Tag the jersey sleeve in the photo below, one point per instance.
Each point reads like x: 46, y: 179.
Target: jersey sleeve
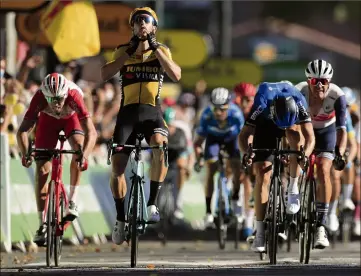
x: 202, y: 128
x: 76, y: 102
x: 166, y: 51
x: 340, y: 109
x: 349, y: 127
x: 37, y: 104
x: 258, y: 107
x: 119, y: 51
x: 303, y: 115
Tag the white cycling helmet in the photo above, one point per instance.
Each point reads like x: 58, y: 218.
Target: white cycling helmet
x: 349, y: 95
x: 320, y: 69
x: 55, y: 85
x: 220, y: 96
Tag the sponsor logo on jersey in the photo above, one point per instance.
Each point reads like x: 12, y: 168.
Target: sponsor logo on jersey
x: 257, y: 112
x: 143, y: 72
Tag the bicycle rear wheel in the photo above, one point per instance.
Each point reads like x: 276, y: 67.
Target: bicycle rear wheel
x: 221, y: 227
x: 50, y: 224
x: 166, y: 210
x: 134, y: 224
x: 310, y: 218
x: 58, y: 240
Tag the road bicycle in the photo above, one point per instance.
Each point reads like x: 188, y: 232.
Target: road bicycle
x: 56, y: 202
x: 275, y: 221
x: 137, y: 216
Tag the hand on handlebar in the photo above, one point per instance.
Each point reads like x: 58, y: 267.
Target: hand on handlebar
x: 27, y: 160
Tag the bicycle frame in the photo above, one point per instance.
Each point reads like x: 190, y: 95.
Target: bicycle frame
x: 56, y: 180
x: 222, y: 190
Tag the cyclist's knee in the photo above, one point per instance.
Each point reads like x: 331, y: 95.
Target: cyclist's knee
x: 43, y: 167
x: 119, y: 163
x: 157, y: 139
x: 324, y: 170
x: 263, y: 172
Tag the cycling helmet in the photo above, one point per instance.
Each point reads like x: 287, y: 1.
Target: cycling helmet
x: 220, y: 96
x: 169, y: 115
x: 284, y: 111
x: 320, y: 69
x: 55, y: 85
x: 169, y: 101
x: 143, y: 10
x: 245, y: 89
x: 187, y: 99
x: 349, y: 95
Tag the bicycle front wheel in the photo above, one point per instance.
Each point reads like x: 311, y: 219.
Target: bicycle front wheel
x: 50, y: 224
x: 134, y: 224
x: 272, y: 231
x: 58, y: 239
x: 221, y: 227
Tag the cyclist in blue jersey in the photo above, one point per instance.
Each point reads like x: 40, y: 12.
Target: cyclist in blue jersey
x: 279, y: 109
x: 220, y: 124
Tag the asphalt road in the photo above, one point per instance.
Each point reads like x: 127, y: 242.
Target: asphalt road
x: 183, y: 258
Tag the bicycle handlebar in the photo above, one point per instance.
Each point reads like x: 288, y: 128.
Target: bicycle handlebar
x: 112, y: 146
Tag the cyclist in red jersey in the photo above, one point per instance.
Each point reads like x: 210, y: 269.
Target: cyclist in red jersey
x: 245, y: 93
x: 57, y: 106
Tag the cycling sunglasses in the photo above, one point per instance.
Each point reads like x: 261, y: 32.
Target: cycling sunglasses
x: 220, y: 108
x: 139, y: 18
x: 315, y: 81
x: 54, y: 99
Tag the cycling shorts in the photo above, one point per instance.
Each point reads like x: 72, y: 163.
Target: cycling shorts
x: 213, y: 145
x: 48, y: 129
x: 265, y: 137
x: 138, y: 118
x: 325, y: 140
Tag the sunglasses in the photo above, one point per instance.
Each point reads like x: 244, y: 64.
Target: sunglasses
x: 315, y: 81
x: 54, y: 99
x: 220, y: 108
x: 139, y: 18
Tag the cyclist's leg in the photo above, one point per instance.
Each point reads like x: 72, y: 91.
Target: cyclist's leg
x: 295, y: 140
x: 332, y: 220
x: 156, y: 133
x: 265, y: 138
x: 211, y: 151
x: 325, y: 140
x: 248, y: 209
x: 73, y: 131
x: 348, y: 177
x: 182, y: 165
x: 357, y: 197
x: 46, y: 137
x: 123, y: 134
x: 235, y: 162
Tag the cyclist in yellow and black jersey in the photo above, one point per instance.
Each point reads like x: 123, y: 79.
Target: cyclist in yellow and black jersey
x: 141, y: 63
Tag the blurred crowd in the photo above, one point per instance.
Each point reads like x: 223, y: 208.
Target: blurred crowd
x: 101, y: 99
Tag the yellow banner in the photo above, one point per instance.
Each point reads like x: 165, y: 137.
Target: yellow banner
x: 189, y: 48
x: 72, y: 29
x: 223, y: 72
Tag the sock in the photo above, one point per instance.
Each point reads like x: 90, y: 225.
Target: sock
x: 322, y: 210
x: 235, y: 195
x: 357, y: 211
x: 154, y: 190
x: 293, y: 187
x: 248, y: 222
x: 40, y: 215
x: 347, y: 191
x: 333, y: 207
x: 119, y: 206
x: 260, y: 227
x: 208, y: 205
x: 73, y: 193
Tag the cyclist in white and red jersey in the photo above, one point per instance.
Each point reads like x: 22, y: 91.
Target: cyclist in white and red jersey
x: 327, y: 107
x: 245, y: 93
x: 57, y: 106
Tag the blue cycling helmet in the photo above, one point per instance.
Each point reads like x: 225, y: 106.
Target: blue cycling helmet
x: 349, y: 95
x: 284, y: 111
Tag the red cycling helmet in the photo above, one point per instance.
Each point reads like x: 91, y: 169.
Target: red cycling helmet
x: 169, y: 101
x: 245, y: 89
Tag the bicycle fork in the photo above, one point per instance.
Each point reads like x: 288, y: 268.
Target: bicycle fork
x: 223, y: 192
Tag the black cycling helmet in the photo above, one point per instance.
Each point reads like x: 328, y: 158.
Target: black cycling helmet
x: 284, y: 111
